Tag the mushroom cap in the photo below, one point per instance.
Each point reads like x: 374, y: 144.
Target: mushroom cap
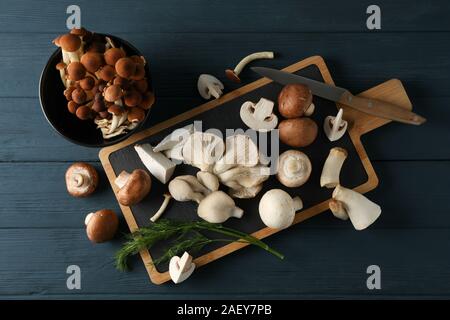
x: 232, y: 76
x: 92, y: 61
x: 114, y: 54
x: 276, y: 209
x: 136, y: 114
x: 102, y: 225
x: 122, y: 82
x: 135, y: 189
x: 298, y: 132
x: 115, y: 110
x: 113, y: 93
x: 83, y: 113
x: 79, y: 96
x: 107, y: 73
x: 72, y: 107
x: 96, y: 46
x: 68, y: 93
x: 125, y: 67
x: 138, y: 59
x: 148, y: 99
x: 139, y: 73
x: 76, y: 71
x: 81, y: 179
x: 141, y: 85
x: 294, y: 100
x: 87, y: 83
x: 69, y: 42
x: 60, y: 66
x: 294, y: 168
x: 81, y: 32
x: 98, y: 106
x: 132, y: 98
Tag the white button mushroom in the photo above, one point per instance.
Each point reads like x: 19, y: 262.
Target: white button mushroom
x: 335, y: 127
x: 217, y: 207
x: 332, y: 167
x: 294, y: 168
x: 208, y: 86
x: 260, y: 116
x: 362, y: 211
x: 181, y: 268
x: 277, y: 208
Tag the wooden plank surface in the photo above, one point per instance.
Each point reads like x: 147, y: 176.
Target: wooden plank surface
x: 40, y: 226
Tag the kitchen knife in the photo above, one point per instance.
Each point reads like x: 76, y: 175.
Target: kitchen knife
x: 370, y: 106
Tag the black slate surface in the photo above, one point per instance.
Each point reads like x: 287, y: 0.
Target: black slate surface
x: 226, y: 116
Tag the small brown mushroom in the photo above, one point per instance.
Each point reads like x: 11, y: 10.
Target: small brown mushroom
x: 139, y: 74
x: 136, y: 114
x: 69, y: 44
x: 83, y: 113
x: 72, y: 107
x: 106, y: 73
x: 112, y: 55
x: 79, y: 96
x: 113, y: 93
x: 92, y: 61
x: 298, y: 132
x: 133, y: 187
x: 125, y: 67
x: 68, y: 93
x: 132, y: 98
x: 76, y: 71
x: 122, y: 82
x: 87, y: 83
x: 294, y: 100
x: 96, y: 46
x: 81, y: 179
x: 148, y: 99
x: 98, y: 106
x: 101, y: 226
x: 141, y: 85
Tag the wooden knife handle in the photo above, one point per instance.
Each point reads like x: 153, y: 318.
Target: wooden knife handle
x: 381, y: 109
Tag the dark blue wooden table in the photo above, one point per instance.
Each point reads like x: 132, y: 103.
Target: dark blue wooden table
x: 41, y: 226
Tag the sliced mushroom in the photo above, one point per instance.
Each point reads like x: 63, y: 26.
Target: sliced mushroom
x: 241, y: 150
x: 335, y: 127
x: 181, y: 268
x: 202, y: 150
x: 294, y: 168
x: 332, y: 167
x: 259, y: 116
x: 208, y: 86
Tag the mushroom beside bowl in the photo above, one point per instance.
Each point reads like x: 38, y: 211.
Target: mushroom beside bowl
x: 54, y: 104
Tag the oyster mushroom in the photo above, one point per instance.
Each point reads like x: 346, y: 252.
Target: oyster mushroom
x: 259, y: 116
x: 208, y: 86
x: 133, y: 187
x: 217, y: 207
x: 332, y: 167
x: 294, y: 168
x: 233, y: 75
x: 240, y: 150
x: 202, y: 149
x: 187, y: 188
x: 208, y: 179
x: 81, y: 179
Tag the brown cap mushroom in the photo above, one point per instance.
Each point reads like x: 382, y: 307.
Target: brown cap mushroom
x: 132, y: 98
x: 125, y: 67
x: 148, y: 99
x: 76, y: 71
x: 79, y: 96
x: 84, y: 113
x: 141, y: 85
x: 69, y: 42
x: 87, y: 83
x: 136, y: 114
x: 102, y: 225
x: 60, y: 66
x: 81, y: 32
x: 92, y: 61
x: 106, y: 73
x: 294, y: 100
x: 68, y: 93
x: 133, y: 187
x: 139, y: 74
x: 98, y: 105
x: 114, y: 54
x: 115, y: 110
x: 122, y: 82
x: 81, y: 179
x: 298, y: 132
x: 113, y: 93
x: 96, y: 46
x: 72, y: 107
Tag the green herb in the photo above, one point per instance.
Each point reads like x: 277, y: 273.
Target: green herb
x: 188, y: 237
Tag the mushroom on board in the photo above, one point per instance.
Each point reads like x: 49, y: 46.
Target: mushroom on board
x: 202, y: 150
x: 181, y: 268
x: 81, y: 179
x: 133, y: 187
x: 298, y: 132
x: 102, y: 225
x: 208, y: 86
x: 233, y: 74
x: 335, y: 127
x: 362, y: 211
x: 277, y: 208
x: 294, y: 168
x: 240, y: 150
x: 332, y: 167
x: 294, y: 101
x: 338, y: 209
x: 208, y: 179
x: 187, y: 188
x: 259, y: 116
x: 218, y: 207
x: 157, y: 163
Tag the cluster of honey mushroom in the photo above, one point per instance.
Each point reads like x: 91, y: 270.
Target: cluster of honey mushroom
x: 103, y: 83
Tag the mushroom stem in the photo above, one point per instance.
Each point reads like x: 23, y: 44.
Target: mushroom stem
x: 254, y: 56
x: 79, y: 179
x: 332, y: 167
x: 215, y: 91
x: 298, y: 204
x: 237, y: 212
x: 122, y: 179
x: 161, y: 209
x: 88, y: 218
x: 362, y: 211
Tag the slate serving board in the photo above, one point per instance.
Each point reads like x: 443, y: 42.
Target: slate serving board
x: 223, y: 114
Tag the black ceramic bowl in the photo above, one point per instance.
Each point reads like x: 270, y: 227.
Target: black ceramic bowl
x: 54, y: 104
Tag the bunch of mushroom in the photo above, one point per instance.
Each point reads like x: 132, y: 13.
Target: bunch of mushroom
x: 102, y: 83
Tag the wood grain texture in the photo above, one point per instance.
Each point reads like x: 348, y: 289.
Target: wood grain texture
x: 234, y: 16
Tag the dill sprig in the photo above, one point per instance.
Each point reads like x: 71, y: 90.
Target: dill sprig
x: 188, y: 237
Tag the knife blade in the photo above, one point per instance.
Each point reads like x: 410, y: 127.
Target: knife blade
x: 370, y: 106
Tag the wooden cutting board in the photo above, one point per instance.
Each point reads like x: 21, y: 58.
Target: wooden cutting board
x: 357, y: 172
